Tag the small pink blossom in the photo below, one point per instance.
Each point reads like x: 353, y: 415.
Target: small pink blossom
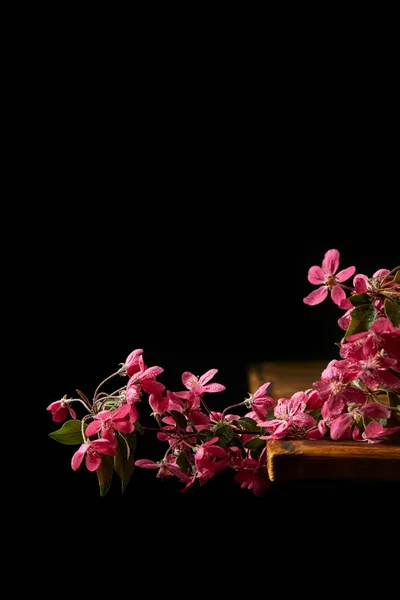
x: 341, y: 427
x: 60, y: 409
x: 253, y: 475
x: 132, y: 362
x: 371, y: 366
x: 166, y: 467
x: 197, y: 385
x: 93, y: 450
x: 375, y: 430
x: 158, y: 403
x: 291, y: 417
x: 111, y: 421
x: 330, y: 282
x: 335, y: 389
x: 260, y: 402
x: 146, y: 377
x: 205, y: 454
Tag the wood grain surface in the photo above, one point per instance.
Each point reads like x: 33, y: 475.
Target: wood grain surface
x: 286, y: 377
x: 355, y: 461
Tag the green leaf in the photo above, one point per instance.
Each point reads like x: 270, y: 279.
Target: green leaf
x: 70, y: 433
x: 124, y: 466
x: 397, y: 277
x: 392, y: 311
x: 255, y: 444
x: 139, y: 428
x: 362, y: 318
x: 179, y: 418
x: 205, y: 435
x: 248, y: 424
x: 182, y: 462
x: 225, y: 434
x: 358, y: 299
x: 105, y: 473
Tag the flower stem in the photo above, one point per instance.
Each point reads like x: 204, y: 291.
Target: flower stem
x: 103, y: 382
x: 232, y: 406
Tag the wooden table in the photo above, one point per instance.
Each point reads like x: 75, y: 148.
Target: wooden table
x: 293, y: 460
x: 289, y: 460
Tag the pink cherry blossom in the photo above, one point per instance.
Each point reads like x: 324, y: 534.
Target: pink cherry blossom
x: 371, y: 366
x: 166, y: 467
x: 111, y: 421
x: 197, y: 385
x: 291, y: 418
x: 93, y: 450
x: 325, y: 275
x: 253, y: 475
x: 60, y: 409
x: 376, y: 430
x: 132, y: 362
x: 260, y: 402
x: 341, y: 427
x: 335, y: 388
x: 205, y: 454
x: 158, y: 403
x: 146, y: 377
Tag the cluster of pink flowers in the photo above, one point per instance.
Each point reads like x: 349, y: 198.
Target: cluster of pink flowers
x: 357, y: 397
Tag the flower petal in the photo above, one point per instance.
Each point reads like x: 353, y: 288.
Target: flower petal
x: 93, y: 461
x: 145, y: 463
x: 330, y: 264
x: 316, y: 275
x: 124, y: 426
x: 189, y: 380
x: 360, y: 283
x: 151, y: 386
x: 93, y: 428
x: 121, y: 412
x: 341, y: 427
x: 211, y: 388
x: 104, y: 446
x: 376, y: 411
x: 345, y: 274
x: 261, y: 390
x: 78, y: 457
x: 207, y: 376
x: 317, y: 296
x: 338, y: 295
x: 381, y: 273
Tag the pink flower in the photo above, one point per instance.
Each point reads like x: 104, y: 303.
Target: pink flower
x: 291, y: 417
x: 166, y: 467
x: 330, y: 282
x: 197, y: 385
x: 204, y: 454
x: 318, y: 432
x: 335, y: 389
x: 253, y: 475
x: 146, y: 377
x: 375, y: 430
x: 341, y: 427
x: 110, y: 421
x: 92, y: 449
x: 60, y: 409
x: 158, y: 403
x: 132, y: 362
x: 372, y: 367
x: 260, y: 402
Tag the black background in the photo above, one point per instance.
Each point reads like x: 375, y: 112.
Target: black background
x: 188, y: 231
